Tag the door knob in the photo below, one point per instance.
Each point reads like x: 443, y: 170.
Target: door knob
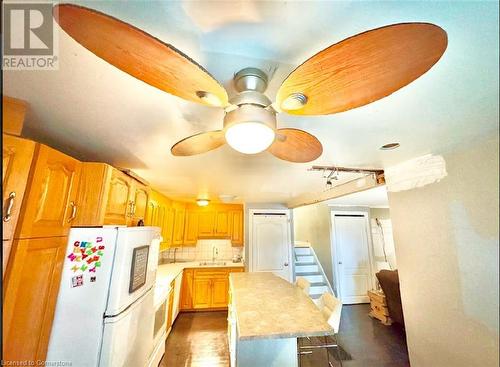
x: 286, y: 264
x: 340, y: 262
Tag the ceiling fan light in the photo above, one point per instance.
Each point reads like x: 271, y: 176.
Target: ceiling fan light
x: 249, y: 137
x: 209, y: 98
x: 202, y: 202
x: 294, y: 101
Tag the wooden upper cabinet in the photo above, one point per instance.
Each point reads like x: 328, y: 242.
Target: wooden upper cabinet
x: 109, y: 196
x: 13, y: 112
x: 236, y: 229
x: 50, y: 205
x: 168, y: 227
x: 140, y: 197
x: 178, y: 232
x: 119, y: 203
x: 30, y: 294
x: 206, y: 223
x: 17, y: 156
x: 191, y: 227
x: 222, y: 223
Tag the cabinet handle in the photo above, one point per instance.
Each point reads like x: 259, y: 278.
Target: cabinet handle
x: 131, y: 208
x: 73, y: 211
x: 10, y: 205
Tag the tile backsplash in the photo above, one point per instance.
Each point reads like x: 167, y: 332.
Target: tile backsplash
x: 204, y: 251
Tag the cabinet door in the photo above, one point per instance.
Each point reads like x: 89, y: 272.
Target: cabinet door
x: 118, y: 203
x: 30, y: 294
x: 170, y: 311
x: 220, y: 289
x: 140, y: 199
x: 202, y: 292
x: 187, y: 290
x: 168, y: 226
x: 17, y: 155
x: 222, y: 223
x: 206, y: 223
x: 237, y: 228
x: 178, y: 235
x: 191, y: 228
x: 50, y: 202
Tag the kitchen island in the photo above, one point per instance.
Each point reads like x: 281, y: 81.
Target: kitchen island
x: 266, y: 316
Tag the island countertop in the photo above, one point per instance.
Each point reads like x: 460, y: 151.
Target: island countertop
x: 268, y: 307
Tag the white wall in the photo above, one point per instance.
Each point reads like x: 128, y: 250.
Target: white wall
x: 447, y: 249
x: 382, y: 237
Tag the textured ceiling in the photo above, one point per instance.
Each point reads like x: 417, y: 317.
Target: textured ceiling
x: 92, y: 110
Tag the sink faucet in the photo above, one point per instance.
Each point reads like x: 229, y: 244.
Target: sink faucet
x: 175, y: 250
x: 215, y: 252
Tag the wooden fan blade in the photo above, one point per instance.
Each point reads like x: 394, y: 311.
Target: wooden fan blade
x: 199, y: 143
x: 140, y: 54
x: 364, y: 68
x: 298, y: 146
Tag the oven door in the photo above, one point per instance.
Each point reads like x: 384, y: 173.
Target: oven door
x: 161, y: 307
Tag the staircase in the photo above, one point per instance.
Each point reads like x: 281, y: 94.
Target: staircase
x: 308, y: 266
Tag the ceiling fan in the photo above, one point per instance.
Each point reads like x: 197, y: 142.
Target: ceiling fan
x: 354, y: 72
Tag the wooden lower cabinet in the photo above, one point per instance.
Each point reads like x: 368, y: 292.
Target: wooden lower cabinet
x: 30, y: 295
x: 220, y: 292
x: 206, y: 289
x: 202, y: 293
x: 170, y: 312
x: 187, y: 290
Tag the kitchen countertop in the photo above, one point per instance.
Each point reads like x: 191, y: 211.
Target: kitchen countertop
x: 168, y: 272
x: 269, y: 307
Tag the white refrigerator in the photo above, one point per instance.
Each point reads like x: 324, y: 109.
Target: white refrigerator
x: 105, y: 314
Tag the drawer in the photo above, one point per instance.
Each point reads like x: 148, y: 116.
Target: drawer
x: 210, y: 273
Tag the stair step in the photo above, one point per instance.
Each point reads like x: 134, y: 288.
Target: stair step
x: 318, y: 290
x: 301, y: 269
x: 305, y: 259
x: 315, y: 296
x: 299, y: 263
x: 318, y: 284
x: 302, y: 250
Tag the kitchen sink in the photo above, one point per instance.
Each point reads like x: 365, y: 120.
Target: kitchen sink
x: 212, y: 263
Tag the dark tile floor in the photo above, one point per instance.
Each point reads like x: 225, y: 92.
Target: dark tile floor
x: 200, y: 340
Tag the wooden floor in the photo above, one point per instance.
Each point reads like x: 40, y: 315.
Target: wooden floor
x: 200, y: 340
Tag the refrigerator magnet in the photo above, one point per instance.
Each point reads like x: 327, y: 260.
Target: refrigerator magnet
x: 77, y: 281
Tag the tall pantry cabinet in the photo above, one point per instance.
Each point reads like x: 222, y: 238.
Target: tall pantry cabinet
x: 40, y: 187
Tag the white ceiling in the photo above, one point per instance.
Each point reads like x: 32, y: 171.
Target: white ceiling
x: 96, y: 112
x: 373, y: 198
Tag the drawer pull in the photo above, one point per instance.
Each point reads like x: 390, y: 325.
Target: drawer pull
x: 10, y: 205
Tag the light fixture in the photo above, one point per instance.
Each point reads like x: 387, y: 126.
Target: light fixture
x: 389, y: 146
x: 249, y: 137
x: 294, y: 101
x: 209, y: 98
x: 250, y: 129
x: 202, y: 202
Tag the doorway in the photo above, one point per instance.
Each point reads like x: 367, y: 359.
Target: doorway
x: 270, y: 243
x: 352, y: 256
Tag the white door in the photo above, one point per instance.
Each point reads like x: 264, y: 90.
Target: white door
x: 270, y: 244
x: 352, y: 257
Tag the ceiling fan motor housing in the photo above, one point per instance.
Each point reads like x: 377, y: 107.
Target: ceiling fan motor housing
x: 250, y: 113
x: 250, y: 79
